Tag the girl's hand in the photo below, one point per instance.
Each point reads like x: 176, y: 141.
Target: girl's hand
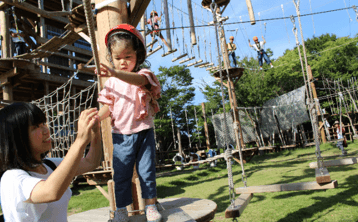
x: 106, y: 71
x: 86, y: 123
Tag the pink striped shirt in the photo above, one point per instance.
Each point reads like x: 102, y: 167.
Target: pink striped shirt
x: 132, y: 107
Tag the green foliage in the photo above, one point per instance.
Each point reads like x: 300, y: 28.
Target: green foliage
x: 177, y: 93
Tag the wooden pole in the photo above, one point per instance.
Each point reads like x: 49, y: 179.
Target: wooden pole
x: 167, y: 24
x: 112, y: 202
x: 314, y: 92
x: 191, y: 21
x: 7, y: 92
x: 206, y: 128
x: 143, y: 21
x: 107, y: 17
x: 180, y: 149
x: 251, y: 12
x: 43, y: 33
x: 5, y: 34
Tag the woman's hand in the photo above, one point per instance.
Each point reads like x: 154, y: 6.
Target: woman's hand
x: 106, y: 71
x: 86, y: 123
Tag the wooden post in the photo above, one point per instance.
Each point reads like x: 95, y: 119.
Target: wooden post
x: 180, y: 149
x: 112, y: 202
x: 206, y: 128
x: 7, y: 92
x: 314, y: 92
x: 191, y: 21
x: 167, y: 24
x: 4, y: 25
x: 251, y: 12
x: 143, y: 21
x: 43, y: 33
x: 107, y: 17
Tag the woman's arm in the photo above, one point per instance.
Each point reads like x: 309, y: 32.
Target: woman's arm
x: 57, y: 183
x: 94, y: 155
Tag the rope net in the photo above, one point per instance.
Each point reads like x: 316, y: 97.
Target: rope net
x: 62, y: 108
x: 289, y: 108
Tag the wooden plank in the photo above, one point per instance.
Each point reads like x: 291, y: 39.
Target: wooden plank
x: 137, y: 9
x: 322, y: 175
x: 58, y: 79
x: 287, y: 187
x: 340, y: 162
x: 33, y: 9
x: 240, y: 204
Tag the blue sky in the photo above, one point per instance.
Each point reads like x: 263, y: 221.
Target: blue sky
x: 278, y: 33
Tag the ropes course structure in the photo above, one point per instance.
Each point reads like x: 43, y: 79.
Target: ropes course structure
x: 63, y: 105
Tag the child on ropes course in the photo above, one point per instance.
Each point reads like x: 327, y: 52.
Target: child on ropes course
x: 259, y: 47
x: 153, y: 22
x: 129, y: 97
x: 340, y: 137
x: 231, y: 47
x: 35, y: 188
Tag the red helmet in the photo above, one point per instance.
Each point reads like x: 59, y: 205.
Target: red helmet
x: 231, y: 37
x: 255, y: 38
x: 128, y: 28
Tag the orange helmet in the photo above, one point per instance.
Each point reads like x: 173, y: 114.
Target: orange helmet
x: 255, y: 38
x: 231, y: 37
x: 154, y: 12
x: 125, y: 27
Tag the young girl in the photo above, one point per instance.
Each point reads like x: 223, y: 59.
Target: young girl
x: 129, y: 97
x: 30, y: 189
x: 153, y: 22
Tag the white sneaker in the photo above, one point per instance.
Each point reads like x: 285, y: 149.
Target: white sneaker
x: 152, y: 214
x: 260, y: 68
x: 271, y: 66
x: 121, y: 215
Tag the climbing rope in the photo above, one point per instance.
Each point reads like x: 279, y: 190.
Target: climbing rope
x: 311, y: 102
x: 90, y: 25
x: 228, y: 152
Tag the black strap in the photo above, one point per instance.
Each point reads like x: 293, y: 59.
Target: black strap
x: 50, y: 164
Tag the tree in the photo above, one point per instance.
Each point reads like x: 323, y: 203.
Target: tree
x: 177, y: 93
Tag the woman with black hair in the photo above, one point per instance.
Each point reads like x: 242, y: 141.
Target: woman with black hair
x: 30, y: 189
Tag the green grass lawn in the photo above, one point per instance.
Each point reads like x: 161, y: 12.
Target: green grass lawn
x: 289, y: 166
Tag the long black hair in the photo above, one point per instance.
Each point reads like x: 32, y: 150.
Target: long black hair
x: 130, y: 40
x: 15, y: 150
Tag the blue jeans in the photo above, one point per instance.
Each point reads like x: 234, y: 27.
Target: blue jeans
x: 340, y: 146
x: 263, y: 55
x: 232, y: 58
x: 20, y: 48
x: 136, y: 148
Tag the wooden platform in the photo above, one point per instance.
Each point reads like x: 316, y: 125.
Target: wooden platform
x: 287, y: 187
x: 175, y: 210
x: 340, y: 162
x: 233, y: 73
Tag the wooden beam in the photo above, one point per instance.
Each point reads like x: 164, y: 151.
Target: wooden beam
x: 105, y: 194
x: 137, y: 9
x: 287, y: 187
x: 322, y: 175
x: 33, y: 9
x: 240, y: 204
x: 341, y: 162
x: 59, y: 79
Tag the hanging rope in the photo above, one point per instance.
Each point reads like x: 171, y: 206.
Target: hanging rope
x: 314, y: 30
x: 171, y: 120
x: 187, y: 126
x: 283, y: 13
x: 311, y: 103
x: 92, y: 35
x: 228, y: 152
x: 197, y: 126
x: 356, y: 11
